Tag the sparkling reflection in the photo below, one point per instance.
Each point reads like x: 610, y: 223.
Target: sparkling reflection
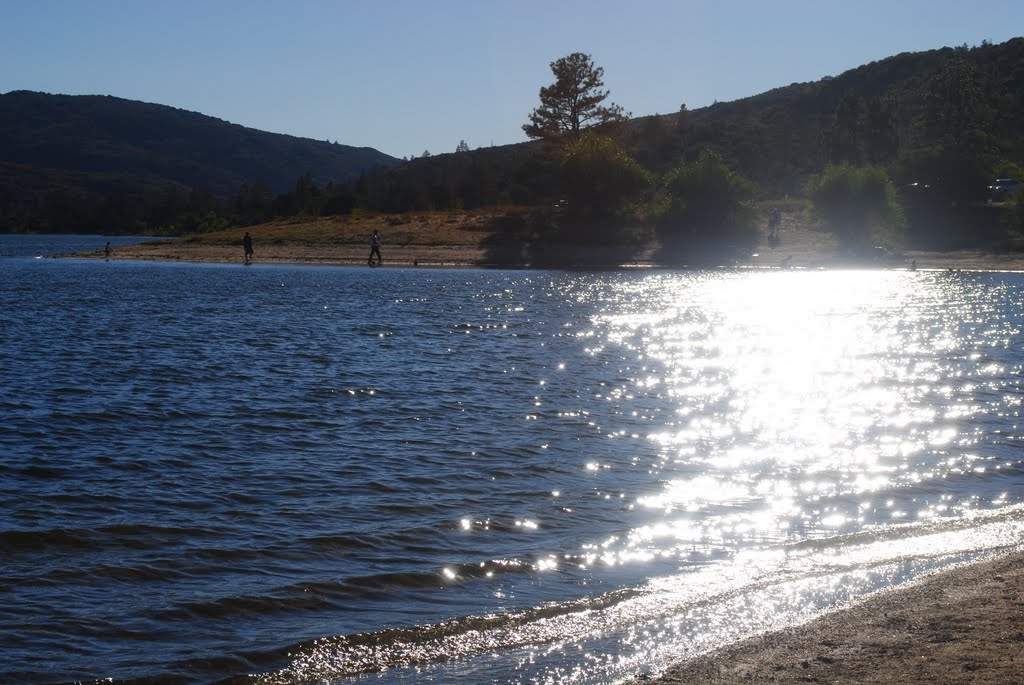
x: 793, y: 396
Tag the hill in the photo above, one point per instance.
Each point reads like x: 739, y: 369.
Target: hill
x: 89, y: 134
x: 87, y: 150
x: 873, y: 113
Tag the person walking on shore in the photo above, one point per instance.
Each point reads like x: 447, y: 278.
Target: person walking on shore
x: 374, y: 249
x: 247, y: 245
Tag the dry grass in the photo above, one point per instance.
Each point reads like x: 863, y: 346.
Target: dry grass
x: 456, y: 228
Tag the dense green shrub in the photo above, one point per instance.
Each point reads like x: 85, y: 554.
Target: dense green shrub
x: 705, y: 201
x: 857, y: 204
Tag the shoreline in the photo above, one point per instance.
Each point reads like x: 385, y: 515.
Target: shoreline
x: 516, y: 240
x: 960, y: 625
x: 799, y: 255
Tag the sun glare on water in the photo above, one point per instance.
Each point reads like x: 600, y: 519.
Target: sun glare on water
x: 794, y: 395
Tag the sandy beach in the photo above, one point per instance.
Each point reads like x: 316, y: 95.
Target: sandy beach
x: 963, y: 625
x: 300, y: 253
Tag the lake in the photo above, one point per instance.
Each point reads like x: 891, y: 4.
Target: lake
x: 278, y: 474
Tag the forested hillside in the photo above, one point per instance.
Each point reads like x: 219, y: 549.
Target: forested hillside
x: 970, y: 98
x: 946, y: 119
x: 92, y: 159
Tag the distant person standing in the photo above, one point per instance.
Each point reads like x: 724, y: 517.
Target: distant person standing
x: 107, y: 250
x: 247, y: 245
x: 774, y: 220
x: 374, y: 249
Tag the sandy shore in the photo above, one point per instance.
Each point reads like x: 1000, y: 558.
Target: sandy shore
x: 964, y: 625
x: 798, y: 256
x: 300, y: 253
x: 800, y: 247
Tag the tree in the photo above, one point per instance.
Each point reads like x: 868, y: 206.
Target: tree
x: 962, y: 105
x: 598, y: 177
x: 882, y: 129
x: 863, y: 130
x: 573, y: 102
x: 682, y: 119
x: 842, y: 140
x: 462, y: 146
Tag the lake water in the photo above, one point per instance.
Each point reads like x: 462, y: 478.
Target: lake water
x: 274, y: 474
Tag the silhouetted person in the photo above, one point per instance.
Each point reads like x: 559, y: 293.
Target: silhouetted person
x: 774, y: 219
x: 107, y: 251
x: 247, y: 245
x: 374, y: 249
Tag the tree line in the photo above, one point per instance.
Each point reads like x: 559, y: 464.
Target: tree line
x: 34, y: 200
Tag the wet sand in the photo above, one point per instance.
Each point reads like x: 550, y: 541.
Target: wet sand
x: 963, y: 625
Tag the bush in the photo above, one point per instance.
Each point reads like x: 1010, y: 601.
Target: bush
x: 707, y: 202
x: 857, y: 204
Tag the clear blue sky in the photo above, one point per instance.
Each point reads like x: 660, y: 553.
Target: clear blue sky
x: 405, y: 76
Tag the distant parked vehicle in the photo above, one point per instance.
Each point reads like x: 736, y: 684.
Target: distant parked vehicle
x: 1003, y: 187
x: 916, y: 185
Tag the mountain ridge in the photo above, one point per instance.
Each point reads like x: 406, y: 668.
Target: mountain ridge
x: 160, y: 144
